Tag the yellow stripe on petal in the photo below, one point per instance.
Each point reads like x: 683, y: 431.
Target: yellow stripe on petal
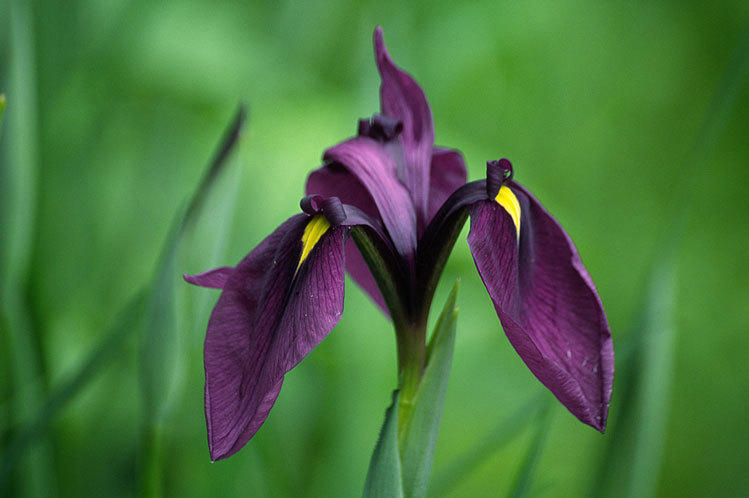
x: 509, y: 202
x: 315, y: 229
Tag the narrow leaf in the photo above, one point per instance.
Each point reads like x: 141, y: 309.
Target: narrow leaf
x: 384, y: 475
x: 504, y: 433
x: 160, y: 343
x: 2, y: 110
x: 226, y: 146
x: 419, y: 437
x: 18, y: 211
x: 635, y: 442
x: 528, y: 470
x: 124, y: 323
x: 632, y: 458
x: 127, y: 320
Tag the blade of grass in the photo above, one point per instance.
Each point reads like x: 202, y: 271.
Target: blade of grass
x: 420, y: 438
x: 528, y: 470
x: 159, y: 345
x: 2, y: 111
x: 127, y: 321
x: 635, y: 442
x: 632, y: 458
x: 384, y: 476
x: 18, y: 194
x: 160, y: 342
x: 504, y: 433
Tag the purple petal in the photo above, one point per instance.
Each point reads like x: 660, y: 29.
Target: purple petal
x: 402, y: 98
x: 333, y: 180
x: 268, y: 317
x: 213, y: 279
x: 547, y: 303
x: 372, y: 166
x: 448, y: 173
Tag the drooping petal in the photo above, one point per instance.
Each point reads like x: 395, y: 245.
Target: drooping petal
x: 369, y: 162
x: 547, y: 303
x: 213, y: 279
x: 447, y: 174
x: 403, y: 99
x: 271, y: 313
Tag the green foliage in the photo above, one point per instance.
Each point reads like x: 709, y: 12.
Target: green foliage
x: 527, y: 472
x: 403, y: 462
x: 419, y: 437
x: 2, y: 110
x: 113, y: 107
x: 385, y: 474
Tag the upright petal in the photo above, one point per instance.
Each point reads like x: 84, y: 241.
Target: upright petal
x: 447, y: 174
x: 403, y: 99
x: 547, y: 303
x: 369, y: 162
x: 271, y: 313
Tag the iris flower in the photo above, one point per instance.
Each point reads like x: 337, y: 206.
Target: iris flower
x: 403, y: 201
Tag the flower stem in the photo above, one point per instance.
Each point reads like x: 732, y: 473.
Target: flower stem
x: 411, y: 343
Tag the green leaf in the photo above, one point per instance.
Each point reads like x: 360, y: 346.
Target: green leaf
x: 149, y: 302
x: 384, y: 475
x: 505, y: 432
x: 2, y: 110
x: 528, y: 470
x: 125, y: 322
x: 419, y: 437
x: 635, y: 442
x: 160, y: 343
x: 632, y: 458
x: 19, y: 167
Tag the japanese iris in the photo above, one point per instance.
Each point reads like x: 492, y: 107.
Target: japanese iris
x: 403, y: 201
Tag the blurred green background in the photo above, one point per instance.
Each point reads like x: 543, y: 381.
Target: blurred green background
x: 629, y: 121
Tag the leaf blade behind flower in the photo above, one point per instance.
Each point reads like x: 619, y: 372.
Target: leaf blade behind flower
x: 2, y: 110
x: 636, y: 439
x: 420, y: 438
x: 528, y: 470
x: 384, y: 475
x: 160, y: 342
x: 125, y: 322
x: 505, y: 432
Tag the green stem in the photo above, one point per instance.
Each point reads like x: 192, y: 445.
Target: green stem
x: 151, y: 474
x: 411, y: 343
x: 410, y: 332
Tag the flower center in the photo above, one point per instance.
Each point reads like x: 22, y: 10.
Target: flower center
x: 315, y: 229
